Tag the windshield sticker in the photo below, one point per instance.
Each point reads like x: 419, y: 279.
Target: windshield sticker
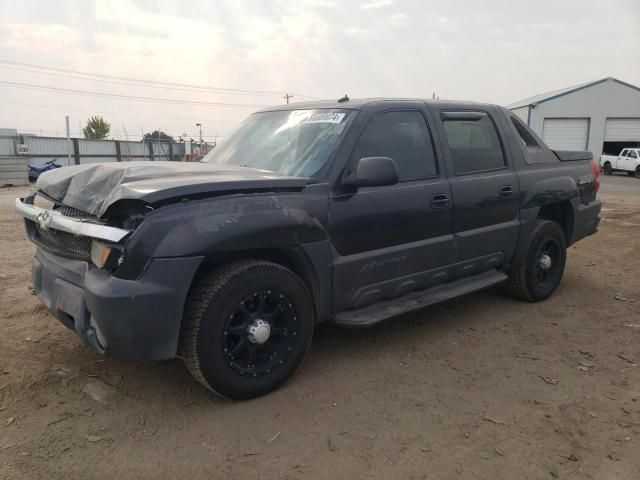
x: 325, y: 118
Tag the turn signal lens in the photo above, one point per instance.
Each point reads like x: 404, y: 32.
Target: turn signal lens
x: 99, y: 253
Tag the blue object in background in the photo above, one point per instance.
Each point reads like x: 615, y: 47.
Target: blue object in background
x: 35, y: 171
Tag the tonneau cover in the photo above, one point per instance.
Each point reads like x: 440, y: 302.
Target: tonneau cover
x: 572, y: 155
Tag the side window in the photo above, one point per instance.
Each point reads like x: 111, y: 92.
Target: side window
x: 402, y: 136
x: 624, y: 153
x: 474, y: 144
x: 633, y: 154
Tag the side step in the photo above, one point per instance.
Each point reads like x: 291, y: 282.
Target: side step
x: 387, y: 309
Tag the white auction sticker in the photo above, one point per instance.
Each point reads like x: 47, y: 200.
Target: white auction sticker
x: 325, y: 118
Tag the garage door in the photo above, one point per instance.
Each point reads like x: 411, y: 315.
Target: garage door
x: 622, y: 130
x: 566, y: 133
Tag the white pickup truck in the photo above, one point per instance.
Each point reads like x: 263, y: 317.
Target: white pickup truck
x: 628, y: 161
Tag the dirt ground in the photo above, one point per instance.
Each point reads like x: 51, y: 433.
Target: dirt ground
x: 481, y: 387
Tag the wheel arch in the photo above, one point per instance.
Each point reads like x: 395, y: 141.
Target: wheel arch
x: 561, y: 213
x: 295, y: 259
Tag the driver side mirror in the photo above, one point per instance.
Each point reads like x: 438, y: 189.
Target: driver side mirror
x: 373, y: 172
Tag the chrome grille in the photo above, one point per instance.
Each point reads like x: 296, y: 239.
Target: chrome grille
x: 72, y: 212
x: 64, y: 243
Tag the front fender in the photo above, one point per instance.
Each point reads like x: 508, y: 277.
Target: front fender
x: 226, y: 224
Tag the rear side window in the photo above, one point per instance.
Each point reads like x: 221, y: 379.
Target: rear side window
x: 474, y: 144
x: 632, y: 154
x: 402, y: 136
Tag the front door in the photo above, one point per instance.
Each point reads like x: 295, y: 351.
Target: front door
x: 485, y: 191
x: 630, y: 161
x: 392, y: 239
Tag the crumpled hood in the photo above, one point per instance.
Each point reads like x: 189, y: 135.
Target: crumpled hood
x: 94, y: 188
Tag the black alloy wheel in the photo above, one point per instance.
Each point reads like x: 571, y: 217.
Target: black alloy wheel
x: 538, y: 275
x: 260, y: 333
x: 247, y: 326
x: 547, y: 263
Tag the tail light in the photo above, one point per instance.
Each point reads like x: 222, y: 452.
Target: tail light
x: 595, y: 169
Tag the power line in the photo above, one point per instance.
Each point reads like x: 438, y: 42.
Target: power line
x: 117, y: 82
x: 147, y: 82
x: 127, y: 97
x: 102, y: 112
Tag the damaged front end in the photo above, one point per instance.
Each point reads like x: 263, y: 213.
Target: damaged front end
x: 75, y: 275
x: 73, y: 233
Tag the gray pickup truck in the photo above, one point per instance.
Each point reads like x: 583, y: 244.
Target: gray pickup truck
x: 351, y: 211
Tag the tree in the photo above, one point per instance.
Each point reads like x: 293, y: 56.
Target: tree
x: 158, y: 135
x: 97, y: 128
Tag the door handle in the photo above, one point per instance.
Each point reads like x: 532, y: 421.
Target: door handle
x: 439, y: 200
x: 506, y: 191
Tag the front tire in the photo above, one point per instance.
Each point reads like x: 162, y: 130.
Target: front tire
x: 540, y: 275
x: 246, y: 328
x: 607, y: 169
x: 638, y: 172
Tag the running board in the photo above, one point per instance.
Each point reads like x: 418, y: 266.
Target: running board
x: 387, y: 309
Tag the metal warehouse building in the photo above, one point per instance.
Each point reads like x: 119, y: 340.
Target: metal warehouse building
x: 601, y: 116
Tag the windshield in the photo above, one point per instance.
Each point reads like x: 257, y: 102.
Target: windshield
x: 292, y: 142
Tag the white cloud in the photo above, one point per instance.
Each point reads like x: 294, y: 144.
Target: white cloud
x: 376, y: 4
x: 320, y: 48
x: 398, y: 19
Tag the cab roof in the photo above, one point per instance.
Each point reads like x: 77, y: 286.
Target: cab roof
x: 360, y: 103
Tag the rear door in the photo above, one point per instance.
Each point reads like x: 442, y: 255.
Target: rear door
x: 485, y: 190
x: 390, y: 240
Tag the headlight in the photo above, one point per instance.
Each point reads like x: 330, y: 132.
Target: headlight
x: 99, y: 253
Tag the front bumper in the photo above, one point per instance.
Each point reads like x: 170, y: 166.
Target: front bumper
x: 55, y: 220
x: 134, y: 319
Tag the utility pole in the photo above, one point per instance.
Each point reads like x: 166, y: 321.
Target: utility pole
x: 66, y: 121
x: 200, y: 126
x: 287, y: 97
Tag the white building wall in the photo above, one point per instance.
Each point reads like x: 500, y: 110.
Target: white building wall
x: 599, y: 102
x: 522, y: 112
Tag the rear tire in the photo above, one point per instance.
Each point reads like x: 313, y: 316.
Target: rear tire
x: 607, y: 169
x: 540, y: 274
x: 246, y: 328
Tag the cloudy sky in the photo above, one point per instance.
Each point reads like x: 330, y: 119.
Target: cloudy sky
x: 495, y: 50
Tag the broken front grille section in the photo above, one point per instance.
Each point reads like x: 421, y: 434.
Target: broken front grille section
x: 72, y: 212
x: 64, y: 243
